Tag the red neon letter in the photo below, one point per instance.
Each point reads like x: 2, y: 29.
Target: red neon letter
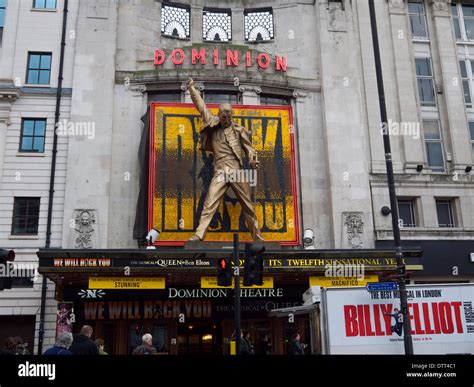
x: 216, y: 56
x: 159, y: 57
x: 247, y: 59
x: 261, y: 63
x: 280, y: 63
x: 234, y: 58
x: 174, y: 54
x: 195, y: 56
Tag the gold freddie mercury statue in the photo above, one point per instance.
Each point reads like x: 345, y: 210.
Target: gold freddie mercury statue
x: 229, y: 142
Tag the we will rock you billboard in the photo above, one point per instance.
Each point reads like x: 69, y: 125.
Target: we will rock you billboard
x: 180, y: 174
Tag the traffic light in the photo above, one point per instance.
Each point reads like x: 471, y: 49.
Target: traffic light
x: 6, y: 256
x: 253, y: 268
x: 224, y: 272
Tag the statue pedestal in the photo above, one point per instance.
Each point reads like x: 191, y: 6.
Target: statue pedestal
x: 227, y: 246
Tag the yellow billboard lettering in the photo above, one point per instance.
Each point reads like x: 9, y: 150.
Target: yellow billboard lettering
x: 270, y: 136
x: 171, y: 213
x: 234, y: 214
x: 274, y: 216
x: 259, y: 213
x: 187, y: 210
x: 218, y: 219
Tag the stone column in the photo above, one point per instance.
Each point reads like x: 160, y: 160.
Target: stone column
x: 345, y: 130
x: 250, y: 94
x: 453, y: 95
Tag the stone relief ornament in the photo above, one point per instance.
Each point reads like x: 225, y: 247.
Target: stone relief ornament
x: 353, y: 225
x: 85, y: 235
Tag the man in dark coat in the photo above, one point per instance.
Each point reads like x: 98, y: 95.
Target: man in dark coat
x: 82, y: 344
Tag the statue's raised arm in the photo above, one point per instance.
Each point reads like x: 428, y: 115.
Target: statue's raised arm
x: 199, y: 103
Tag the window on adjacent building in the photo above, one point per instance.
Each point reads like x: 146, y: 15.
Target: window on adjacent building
x: 463, y: 20
x: 406, y: 212
x: 270, y: 99
x: 434, y: 145
x: 258, y: 25
x: 456, y: 22
x: 39, y: 68
x: 471, y: 132
x: 25, y: 216
x: 44, y: 4
x: 217, y: 25
x: 33, y: 132
x: 3, y: 6
x: 416, y: 11
x: 221, y: 97
x: 175, y: 20
x: 445, y: 210
x: 466, y: 82
x: 426, y: 82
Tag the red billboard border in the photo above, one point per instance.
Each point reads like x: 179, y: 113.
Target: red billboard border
x: 152, y: 164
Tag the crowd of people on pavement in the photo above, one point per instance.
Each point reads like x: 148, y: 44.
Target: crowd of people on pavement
x: 82, y: 344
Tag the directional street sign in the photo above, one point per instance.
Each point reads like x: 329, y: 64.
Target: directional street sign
x: 380, y: 286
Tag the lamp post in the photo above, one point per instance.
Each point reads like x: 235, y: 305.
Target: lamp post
x: 401, y: 269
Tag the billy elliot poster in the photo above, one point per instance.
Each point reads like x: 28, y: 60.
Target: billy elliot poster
x: 180, y: 174
x: 441, y: 320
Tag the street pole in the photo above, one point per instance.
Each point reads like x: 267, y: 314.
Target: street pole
x: 401, y: 270
x: 236, y: 293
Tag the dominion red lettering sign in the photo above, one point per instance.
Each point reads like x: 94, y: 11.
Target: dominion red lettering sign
x: 233, y: 58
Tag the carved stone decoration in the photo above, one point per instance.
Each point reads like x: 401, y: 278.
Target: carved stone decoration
x: 299, y: 94
x: 85, y: 234
x: 353, y: 230
x: 244, y: 88
x: 396, y: 6
x: 441, y: 8
x: 198, y: 85
x: 138, y: 88
x: 9, y: 93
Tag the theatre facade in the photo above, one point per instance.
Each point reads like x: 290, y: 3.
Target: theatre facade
x: 144, y: 169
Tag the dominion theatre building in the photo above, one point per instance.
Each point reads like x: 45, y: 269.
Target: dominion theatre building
x: 99, y: 144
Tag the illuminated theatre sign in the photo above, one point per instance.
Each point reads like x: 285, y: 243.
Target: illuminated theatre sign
x: 180, y: 175
x: 233, y: 58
